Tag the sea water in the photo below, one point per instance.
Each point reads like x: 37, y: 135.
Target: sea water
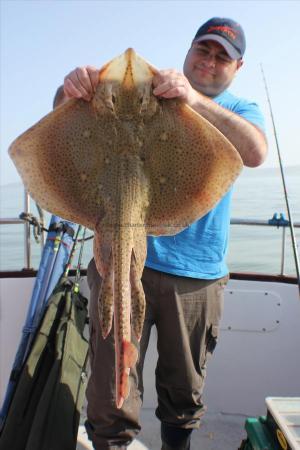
x: 258, y: 194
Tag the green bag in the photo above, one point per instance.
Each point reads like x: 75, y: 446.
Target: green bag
x: 45, y: 410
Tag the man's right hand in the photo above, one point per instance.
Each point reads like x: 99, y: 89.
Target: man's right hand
x: 81, y: 83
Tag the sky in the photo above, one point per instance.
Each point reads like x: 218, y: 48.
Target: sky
x: 42, y: 41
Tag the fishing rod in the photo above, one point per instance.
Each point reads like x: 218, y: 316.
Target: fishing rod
x: 291, y: 223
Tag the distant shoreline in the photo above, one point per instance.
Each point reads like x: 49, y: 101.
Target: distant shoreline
x: 271, y: 171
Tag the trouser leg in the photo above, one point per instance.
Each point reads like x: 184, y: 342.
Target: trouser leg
x: 187, y: 316
x: 109, y: 427
x: 174, y: 438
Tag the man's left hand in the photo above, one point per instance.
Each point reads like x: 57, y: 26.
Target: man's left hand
x: 172, y: 84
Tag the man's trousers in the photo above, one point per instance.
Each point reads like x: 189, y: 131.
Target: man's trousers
x: 186, y: 312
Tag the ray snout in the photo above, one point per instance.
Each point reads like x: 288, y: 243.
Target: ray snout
x: 130, y: 53
x: 128, y: 69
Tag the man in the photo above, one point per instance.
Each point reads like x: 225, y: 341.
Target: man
x: 185, y: 275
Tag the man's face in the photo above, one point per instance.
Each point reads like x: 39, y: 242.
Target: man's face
x: 209, y: 68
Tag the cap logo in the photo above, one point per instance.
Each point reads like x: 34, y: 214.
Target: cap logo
x: 228, y: 30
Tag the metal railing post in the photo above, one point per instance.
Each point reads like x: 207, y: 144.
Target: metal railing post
x: 27, y: 246
x: 283, y: 251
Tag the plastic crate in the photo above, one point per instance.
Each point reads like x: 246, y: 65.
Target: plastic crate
x: 259, y: 437
x: 284, y: 421
x: 279, y: 430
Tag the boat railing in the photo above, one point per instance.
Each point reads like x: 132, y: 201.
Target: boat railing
x: 26, y: 225
x: 278, y: 221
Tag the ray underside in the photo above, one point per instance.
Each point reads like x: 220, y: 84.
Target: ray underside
x: 152, y: 169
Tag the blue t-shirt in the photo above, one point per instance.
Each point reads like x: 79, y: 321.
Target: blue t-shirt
x: 199, y: 251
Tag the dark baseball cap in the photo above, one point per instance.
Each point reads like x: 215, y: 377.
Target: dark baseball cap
x: 226, y: 32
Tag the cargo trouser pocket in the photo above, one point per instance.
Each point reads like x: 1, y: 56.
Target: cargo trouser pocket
x: 212, y: 339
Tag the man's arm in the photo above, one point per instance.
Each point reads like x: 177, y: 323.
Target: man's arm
x: 247, y: 138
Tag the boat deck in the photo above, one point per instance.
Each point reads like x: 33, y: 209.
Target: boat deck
x: 217, y: 432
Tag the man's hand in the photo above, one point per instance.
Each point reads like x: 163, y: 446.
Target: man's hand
x: 81, y: 83
x: 172, y: 84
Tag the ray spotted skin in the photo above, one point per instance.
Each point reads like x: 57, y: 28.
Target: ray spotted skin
x: 125, y: 164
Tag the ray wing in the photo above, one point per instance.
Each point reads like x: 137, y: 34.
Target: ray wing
x: 61, y: 160
x: 190, y: 164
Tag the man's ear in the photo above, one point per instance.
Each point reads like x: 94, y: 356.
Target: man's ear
x: 240, y: 62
